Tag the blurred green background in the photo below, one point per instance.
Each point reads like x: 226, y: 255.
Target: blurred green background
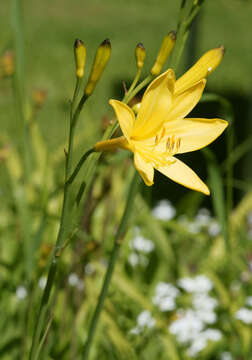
x: 183, y: 244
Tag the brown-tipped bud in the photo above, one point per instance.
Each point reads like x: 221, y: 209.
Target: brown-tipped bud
x: 165, y: 50
x: 80, y: 57
x: 140, y: 55
x: 101, y: 59
x: 7, y: 63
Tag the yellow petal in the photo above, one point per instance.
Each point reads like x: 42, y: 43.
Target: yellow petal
x: 194, y: 134
x: 203, y: 67
x: 125, y: 117
x: 145, y: 169
x: 183, y: 103
x: 154, y: 106
x: 112, y: 144
x: 182, y: 174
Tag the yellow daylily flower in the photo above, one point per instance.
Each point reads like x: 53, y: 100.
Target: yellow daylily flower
x: 160, y: 130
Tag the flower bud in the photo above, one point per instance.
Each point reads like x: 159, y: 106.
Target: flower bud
x: 7, y: 63
x: 165, y: 50
x: 201, y: 69
x: 101, y: 59
x: 80, y: 57
x: 140, y: 55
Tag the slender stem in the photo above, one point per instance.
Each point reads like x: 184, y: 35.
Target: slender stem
x: 79, y: 165
x: 63, y: 226
x: 131, y: 94
x: 112, y: 261
x: 134, y: 82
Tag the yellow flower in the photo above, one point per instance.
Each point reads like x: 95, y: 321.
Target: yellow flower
x: 160, y: 129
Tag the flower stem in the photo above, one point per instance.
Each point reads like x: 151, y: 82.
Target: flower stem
x: 188, y: 11
x: 113, y: 257
x: 40, y: 323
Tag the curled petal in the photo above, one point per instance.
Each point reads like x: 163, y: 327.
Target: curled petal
x: 145, y: 169
x: 201, y: 69
x: 182, y: 174
x: 183, y: 103
x: 155, y: 105
x: 194, y: 134
x: 125, y: 117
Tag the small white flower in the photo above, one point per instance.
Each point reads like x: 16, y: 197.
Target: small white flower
x: 198, y: 284
x: 21, y: 292
x: 42, y: 282
x: 203, y: 301
x: 199, y: 343
x: 89, y: 269
x: 73, y: 279
x: 203, y: 217
x: 133, y: 259
x: 164, y: 210
x: 225, y: 356
x: 214, y: 228
x: 144, y: 321
x: 245, y: 315
x: 188, y: 327
x: 249, y: 301
x: 165, y: 295
x: 141, y: 244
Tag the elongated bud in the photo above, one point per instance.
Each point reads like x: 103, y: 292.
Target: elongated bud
x: 140, y: 55
x: 201, y: 69
x: 80, y: 57
x: 165, y: 50
x: 101, y: 59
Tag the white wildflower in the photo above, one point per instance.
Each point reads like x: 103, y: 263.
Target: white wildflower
x: 226, y: 356
x: 203, y: 217
x: 141, y: 244
x: 133, y: 259
x: 42, y: 282
x: 21, y: 292
x: 245, y: 315
x: 165, y: 295
x: 164, y: 210
x: 198, y: 284
x: 73, y: 279
x: 144, y: 321
x: 199, y: 343
x: 89, y: 269
x: 249, y: 301
x: 214, y: 228
x: 187, y: 327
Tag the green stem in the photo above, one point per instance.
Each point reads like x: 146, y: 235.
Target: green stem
x: 112, y: 261
x: 134, y: 82
x: 63, y: 227
x: 188, y: 11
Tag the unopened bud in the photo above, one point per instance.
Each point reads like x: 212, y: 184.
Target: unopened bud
x: 7, y: 63
x: 165, y: 50
x: 140, y: 55
x: 201, y: 69
x: 101, y: 59
x: 80, y: 57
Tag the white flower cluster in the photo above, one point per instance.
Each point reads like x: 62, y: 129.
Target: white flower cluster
x: 165, y: 296
x: 226, y: 356
x: 144, y: 321
x: 244, y: 314
x: 21, y: 292
x: 140, y: 247
x: 164, y: 210
x: 75, y: 281
x: 190, y: 327
x: 203, y: 219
